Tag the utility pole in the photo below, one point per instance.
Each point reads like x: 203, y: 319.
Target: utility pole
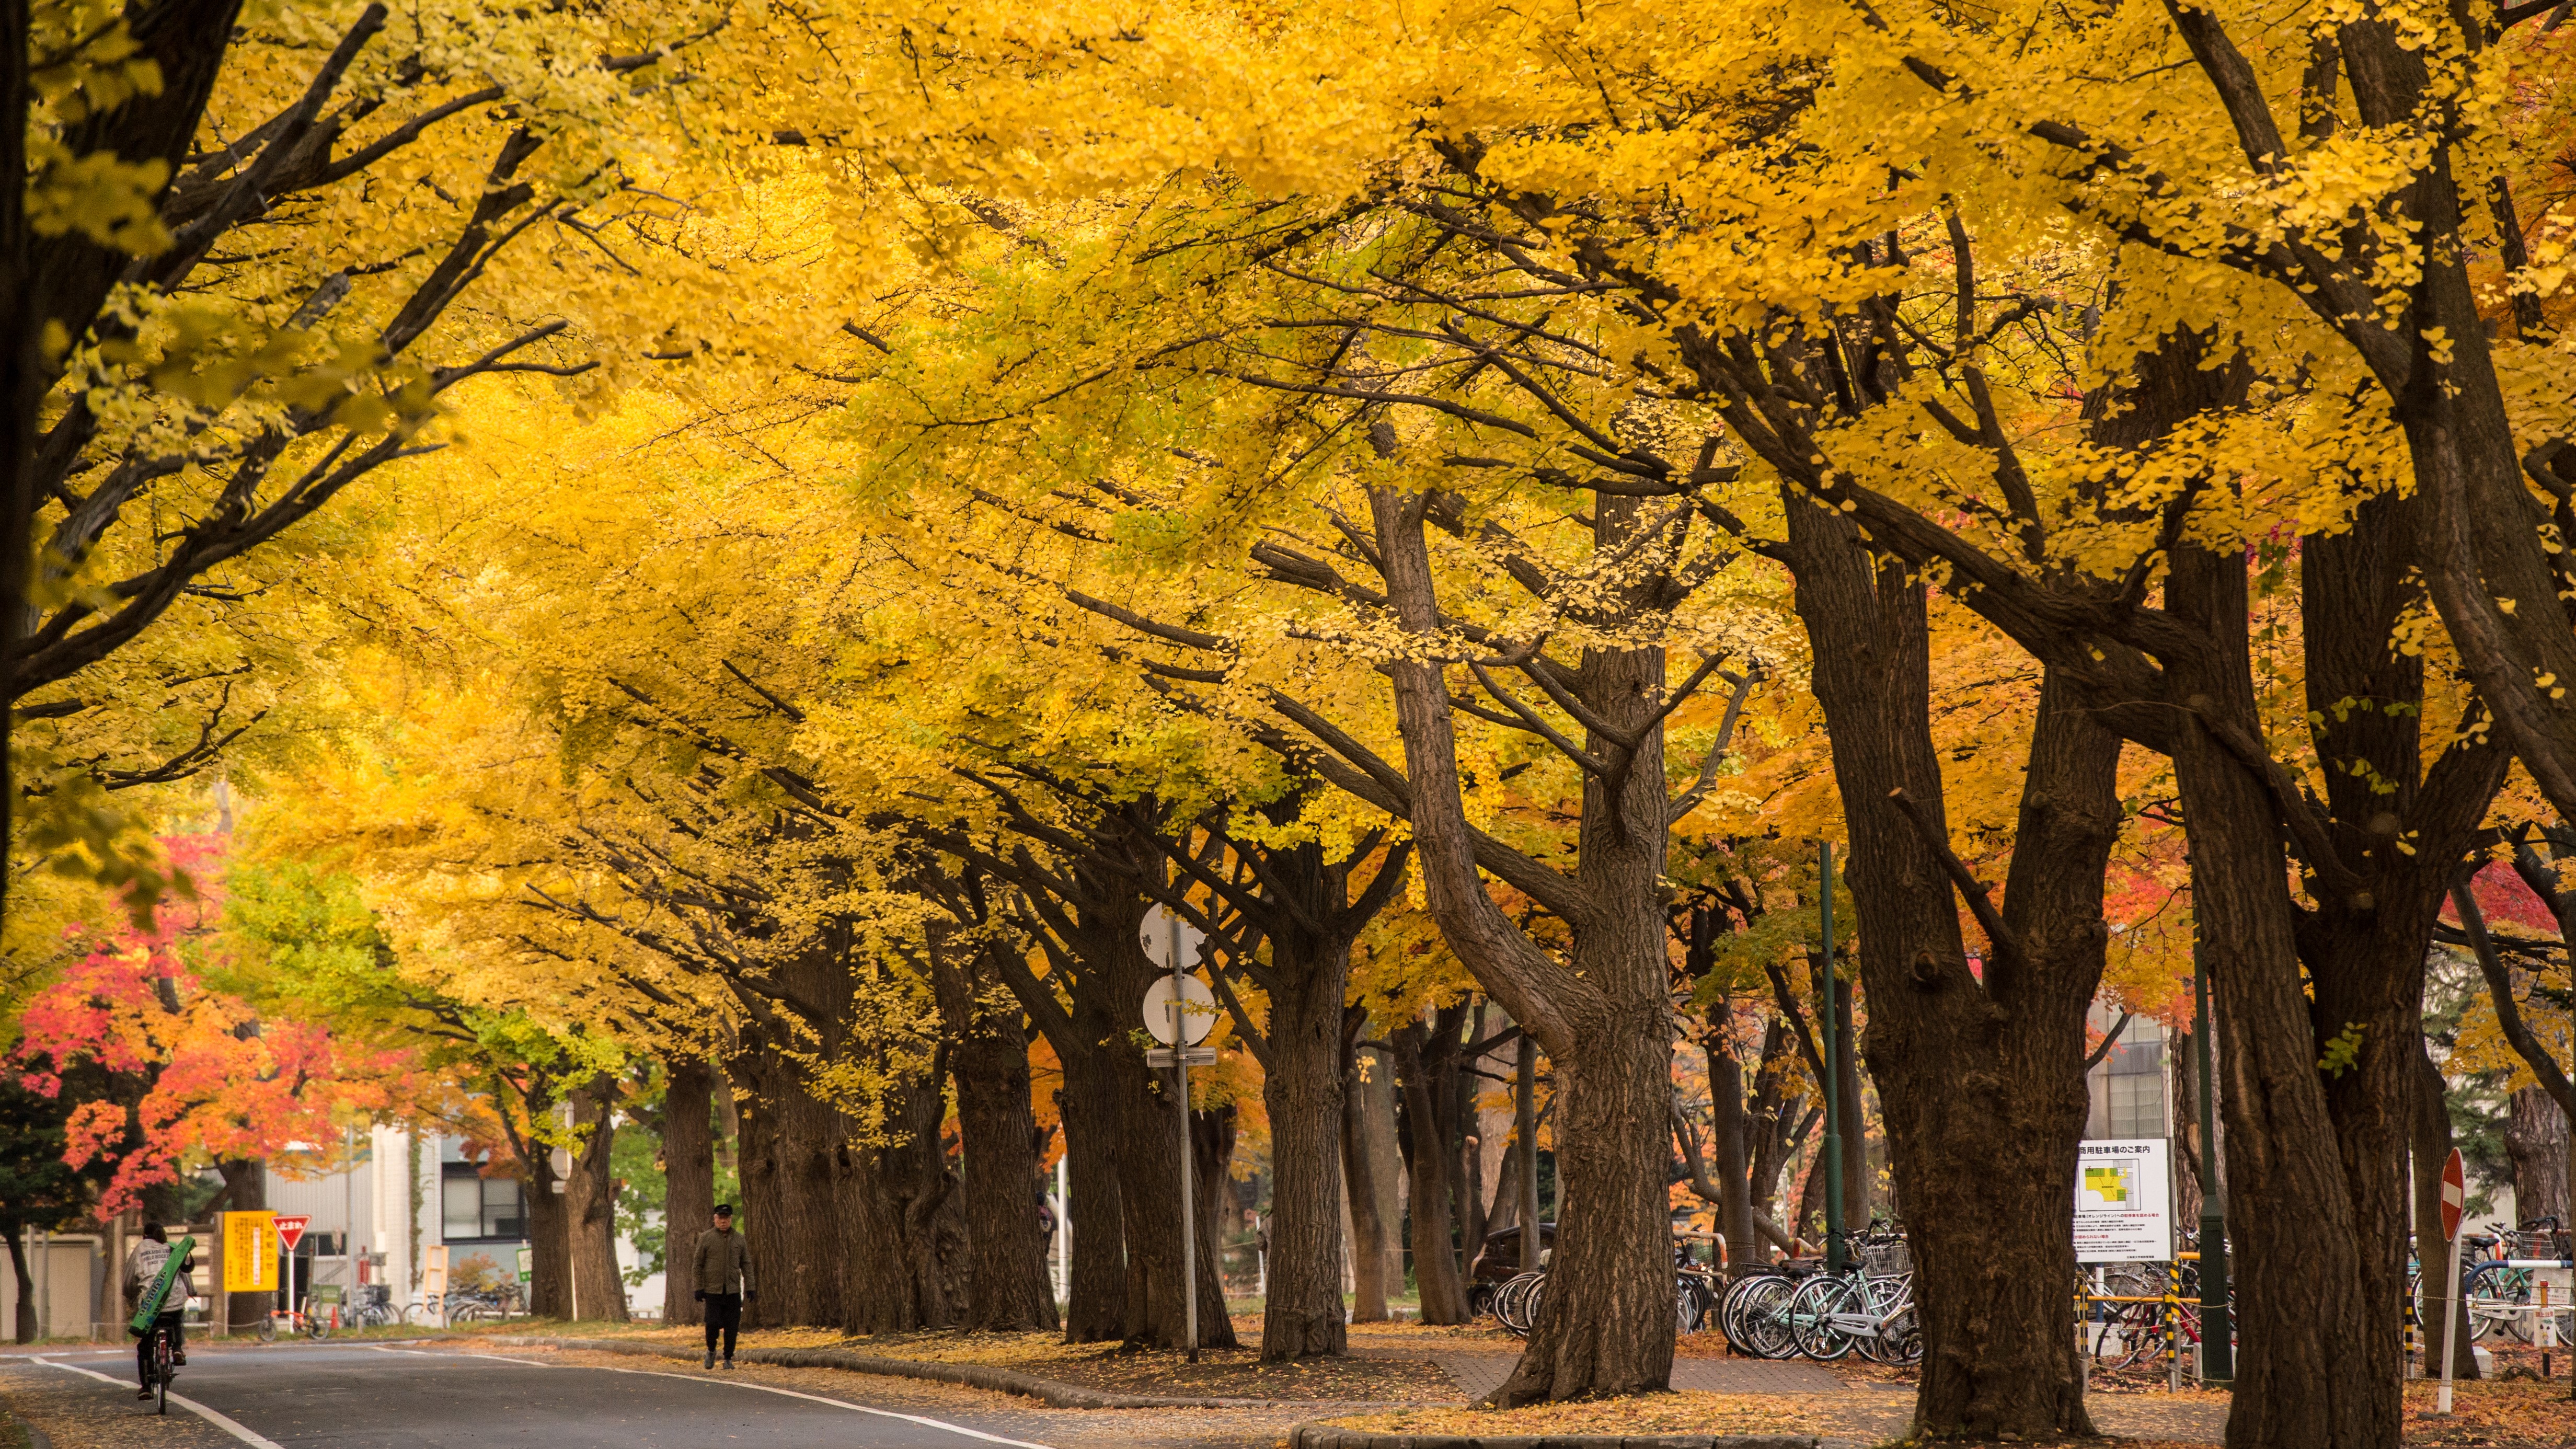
x: 2217, y: 1334
x: 1832, y: 1083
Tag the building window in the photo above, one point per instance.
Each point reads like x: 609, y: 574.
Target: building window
x: 2134, y: 1101
x: 478, y: 1207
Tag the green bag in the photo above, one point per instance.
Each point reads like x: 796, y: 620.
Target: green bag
x: 148, y: 1307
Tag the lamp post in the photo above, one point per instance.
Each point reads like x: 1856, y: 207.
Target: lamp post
x: 1832, y: 1083
x: 2217, y: 1333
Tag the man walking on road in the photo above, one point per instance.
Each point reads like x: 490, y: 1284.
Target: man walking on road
x: 724, y: 1281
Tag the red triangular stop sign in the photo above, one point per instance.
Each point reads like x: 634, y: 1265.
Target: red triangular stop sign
x: 290, y: 1227
x: 2455, y: 1195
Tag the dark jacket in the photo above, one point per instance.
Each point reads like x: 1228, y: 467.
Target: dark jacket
x: 724, y: 1262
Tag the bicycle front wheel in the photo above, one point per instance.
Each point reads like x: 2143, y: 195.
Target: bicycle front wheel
x: 1810, y: 1316
x: 267, y: 1329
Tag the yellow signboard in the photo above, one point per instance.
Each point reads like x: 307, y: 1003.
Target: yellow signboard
x: 250, y: 1252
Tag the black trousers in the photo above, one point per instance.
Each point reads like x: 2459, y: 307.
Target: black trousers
x: 724, y: 1313
x: 143, y: 1347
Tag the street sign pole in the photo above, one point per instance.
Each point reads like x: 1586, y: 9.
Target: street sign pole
x: 1189, y: 1199
x: 1833, y: 1082
x: 2455, y: 1197
x: 290, y: 1231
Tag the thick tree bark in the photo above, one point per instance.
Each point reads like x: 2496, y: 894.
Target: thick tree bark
x: 1371, y: 1230
x: 689, y: 1181
x: 1981, y: 1081
x: 895, y: 1186
x: 594, y: 1290
x: 550, y: 1265
x: 2375, y: 905
x: 2310, y: 1371
x: 2535, y: 1137
x: 1425, y: 1068
x: 1007, y: 1289
x: 1301, y: 1089
x: 758, y: 1076
x: 1096, y: 1287
x: 1603, y: 1015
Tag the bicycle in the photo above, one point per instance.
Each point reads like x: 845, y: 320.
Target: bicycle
x: 1869, y: 1307
x: 1516, y: 1302
x: 374, y: 1308
x: 163, y: 1369
x: 298, y: 1320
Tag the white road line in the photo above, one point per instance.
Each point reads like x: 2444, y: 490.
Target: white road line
x: 220, y: 1421
x: 926, y: 1423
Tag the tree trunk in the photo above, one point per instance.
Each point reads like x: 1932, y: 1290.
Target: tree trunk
x: 245, y: 1190
x: 1615, y: 1218
x: 1301, y: 1089
x: 689, y: 1181
x: 596, y: 1290
x: 2309, y: 1371
x: 2431, y: 1119
x: 25, y: 1329
x: 1149, y: 1187
x: 1431, y: 1157
x: 1096, y: 1280
x: 1728, y: 1129
x: 2182, y: 1067
x: 1855, y: 1123
x: 550, y: 1262
x: 2536, y: 1139
x: 1212, y: 1135
x: 2364, y: 939
x: 1007, y: 1285
x: 808, y: 1146
x: 894, y: 1188
x: 758, y: 1077
x: 1981, y: 1079
x: 1369, y: 1226
x: 1603, y: 1012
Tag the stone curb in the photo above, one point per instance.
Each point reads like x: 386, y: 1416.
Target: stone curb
x: 1051, y: 1392
x: 1317, y: 1435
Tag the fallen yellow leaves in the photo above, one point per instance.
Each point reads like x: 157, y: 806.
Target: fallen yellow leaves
x: 1671, y: 1413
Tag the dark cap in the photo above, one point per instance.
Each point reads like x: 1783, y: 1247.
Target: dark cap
x: 724, y: 1209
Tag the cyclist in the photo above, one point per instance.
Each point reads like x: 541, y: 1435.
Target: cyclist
x: 143, y: 1268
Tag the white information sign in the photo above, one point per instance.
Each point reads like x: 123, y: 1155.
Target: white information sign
x: 1170, y: 941
x: 2123, y: 1201
x: 1198, y: 1010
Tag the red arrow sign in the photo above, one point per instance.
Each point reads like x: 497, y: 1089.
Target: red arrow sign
x: 290, y: 1227
x: 2455, y: 1196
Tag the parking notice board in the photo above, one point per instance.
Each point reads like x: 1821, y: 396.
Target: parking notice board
x: 2123, y: 1201
x: 250, y: 1252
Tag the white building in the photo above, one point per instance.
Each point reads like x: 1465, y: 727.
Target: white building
x: 410, y: 1193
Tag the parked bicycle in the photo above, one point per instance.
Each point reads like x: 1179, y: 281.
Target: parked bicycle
x: 296, y: 1320
x: 1868, y: 1307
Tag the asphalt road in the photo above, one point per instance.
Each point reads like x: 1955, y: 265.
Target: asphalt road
x: 386, y: 1398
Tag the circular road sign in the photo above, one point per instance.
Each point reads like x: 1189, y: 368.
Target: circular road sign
x: 1198, y: 1010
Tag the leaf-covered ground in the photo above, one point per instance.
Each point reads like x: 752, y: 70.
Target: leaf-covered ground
x: 1684, y: 1413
